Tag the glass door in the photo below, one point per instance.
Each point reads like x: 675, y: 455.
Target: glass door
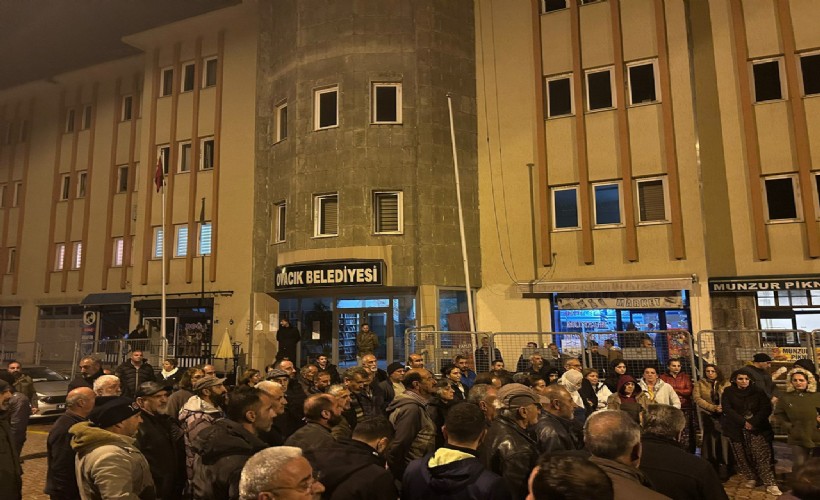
x: 379, y: 322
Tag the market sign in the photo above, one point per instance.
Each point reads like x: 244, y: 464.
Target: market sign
x: 631, y: 302
x: 734, y: 285
x: 330, y: 274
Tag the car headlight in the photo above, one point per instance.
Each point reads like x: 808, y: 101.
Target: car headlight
x: 40, y: 395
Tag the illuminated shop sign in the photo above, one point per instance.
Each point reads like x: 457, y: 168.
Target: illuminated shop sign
x: 734, y: 285
x: 631, y: 302
x: 330, y: 274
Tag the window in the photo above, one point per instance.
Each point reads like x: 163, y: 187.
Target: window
x: 280, y: 222
x: 181, y: 247
x: 59, y: 256
x: 65, y: 186
x: 122, y: 179
x: 69, y: 120
x: 553, y: 5
x: 18, y: 194
x: 599, y: 89
x: 156, y: 253
x: 9, y: 136
x: 203, y: 246
x: 643, y: 82
x: 387, y: 212
x: 607, y: 204
x: 76, y: 255
x: 24, y: 131
x: 651, y: 200
x: 11, y: 262
x: 184, y: 157
x: 164, y: 152
x: 127, y: 105
x: 781, y: 202
x: 209, y: 77
x: 326, y: 103
x: 2, y: 196
x: 386, y: 103
x: 565, y: 208
x: 766, y: 80
x: 281, y: 121
x: 326, y: 215
x: 167, y: 83
x: 559, y: 96
x: 585, y: 2
x: 206, y: 153
x: 82, y: 178
x: 118, y: 255
x: 810, y: 71
x: 86, y: 117
x: 817, y: 194
x: 188, y: 74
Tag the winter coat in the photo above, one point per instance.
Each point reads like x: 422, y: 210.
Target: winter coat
x: 61, y: 478
x: 702, y: 394
x: 511, y: 453
x: 371, y: 401
x: 109, y: 465
x: 352, y: 470
x: 176, y: 401
x: 170, y: 378
x: 663, y: 394
x: 11, y: 474
x: 312, y: 436
x: 81, y: 381
x: 677, y: 473
x: 223, y: 448
x: 131, y: 377
x: 333, y: 371
x: 682, y: 385
x: 468, y: 379
x: 160, y: 440
x: 292, y: 420
x: 17, y: 416
x: 288, y: 337
x: 366, y: 343
x: 196, y: 415
x: 628, y: 482
x: 454, y: 474
x: 619, y: 401
x: 25, y: 385
x: 415, y: 432
x: 797, y: 411
x: 553, y: 433
x: 762, y: 379
x: 742, y: 405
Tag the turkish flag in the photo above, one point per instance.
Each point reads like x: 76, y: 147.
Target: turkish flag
x: 159, y: 176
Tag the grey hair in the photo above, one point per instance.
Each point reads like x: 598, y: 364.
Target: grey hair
x: 103, y: 382
x: 261, y: 471
x: 478, y: 392
x: 664, y: 420
x: 336, y: 390
x: 611, y: 434
x: 268, y: 385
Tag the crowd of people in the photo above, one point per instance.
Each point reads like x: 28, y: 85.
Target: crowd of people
x: 550, y: 430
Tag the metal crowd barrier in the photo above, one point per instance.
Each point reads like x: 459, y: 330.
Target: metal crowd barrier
x: 440, y: 348
x: 516, y: 349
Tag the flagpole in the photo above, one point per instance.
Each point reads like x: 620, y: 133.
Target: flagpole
x: 164, y: 257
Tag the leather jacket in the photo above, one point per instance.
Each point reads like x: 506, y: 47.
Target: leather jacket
x: 511, y: 453
x: 553, y: 433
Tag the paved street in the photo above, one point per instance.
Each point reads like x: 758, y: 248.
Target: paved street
x: 34, y: 468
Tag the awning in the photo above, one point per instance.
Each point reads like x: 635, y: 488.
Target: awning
x: 533, y: 289
x: 106, y: 299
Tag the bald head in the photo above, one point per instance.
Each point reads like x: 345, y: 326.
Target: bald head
x: 80, y: 401
x: 614, y: 435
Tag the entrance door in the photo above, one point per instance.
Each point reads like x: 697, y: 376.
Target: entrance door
x: 350, y: 322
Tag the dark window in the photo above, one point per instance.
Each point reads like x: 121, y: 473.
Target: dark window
x: 566, y: 208
x: 327, y: 113
x: 122, y: 181
x: 780, y: 199
x: 642, y: 83
x: 607, y: 204
x: 652, y: 207
x: 189, y: 70
x: 167, y: 82
x: 810, y: 67
x: 599, y: 90
x: 559, y: 97
x: 210, y: 72
x: 767, y: 81
x: 127, y: 103
x: 386, y: 100
x: 282, y: 122
x: 817, y: 187
x: 551, y: 5
x: 207, y: 154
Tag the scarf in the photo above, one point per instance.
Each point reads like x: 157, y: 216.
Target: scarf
x: 166, y: 375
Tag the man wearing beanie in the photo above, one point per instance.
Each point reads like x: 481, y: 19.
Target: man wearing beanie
x: 109, y: 465
x: 393, y: 387
x: 11, y: 480
x: 761, y: 363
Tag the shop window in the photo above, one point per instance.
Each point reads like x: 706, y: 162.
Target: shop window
x: 59, y: 256
x: 599, y: 89
x: 766, y: 78
x: 184, y: 157
x: 127, y: 104
x: 280, y: 211
x: 87, y: 115
x: 209, y: 77
x: 76, y: 255
x: 559, y: 96
x: 765, y: 298
x: 203, y: 244
x: 553, y: 5
x: 386, y: 100
x: 118, y: 255
x: 643, y: 82
x: 65, y: 187
x: 281, y: 121
x: 607, y: 204
x: 387, y: 212
x: 206, y: 153
x: 651, y: 200
x: 167, y: 82
x: 11, y: 262
x: 82, y: 178
x: 565, y: 208
x: 156, y: 253
x: 326, y: 108
x: 70, y: 118
x: 326, y: 215
x: 122, y: 178
x: 781, y: 203
x: 188, y: 74
x: 181, y: 247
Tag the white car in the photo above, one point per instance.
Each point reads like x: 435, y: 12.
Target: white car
x: 51, y: 388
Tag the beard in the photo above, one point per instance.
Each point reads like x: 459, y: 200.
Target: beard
x: 334, y: 420
x: 220, y: 400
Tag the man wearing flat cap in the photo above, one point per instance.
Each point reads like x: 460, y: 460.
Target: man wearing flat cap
x: 508, y: 450
x: 200, y: 412
x: 109, y: 465
x: 11, y: 481
x: 160, y: 439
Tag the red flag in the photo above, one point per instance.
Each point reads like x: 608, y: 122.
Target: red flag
x: 159, y: 176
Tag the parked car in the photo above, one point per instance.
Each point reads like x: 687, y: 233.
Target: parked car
x: 51, y: 388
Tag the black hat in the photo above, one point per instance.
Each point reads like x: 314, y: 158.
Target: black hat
x: 151, y: 388
x: 5, y: 386
x: 394, y: 366
x: 761, y: 357
x: 113, y: 412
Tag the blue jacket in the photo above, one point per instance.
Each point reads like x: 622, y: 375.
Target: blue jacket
x: 452, y: 473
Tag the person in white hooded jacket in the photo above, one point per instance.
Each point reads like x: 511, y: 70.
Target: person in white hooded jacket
x: 659, y: 392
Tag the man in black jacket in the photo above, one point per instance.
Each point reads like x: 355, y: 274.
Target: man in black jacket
x: 288, y: 338
x: 322, y: 412
x: 672, y: 471
x: 553, y: 431
x: 354, y: 469
x: 508, y: 450
x: 133, y: 372
x: 61, y: 477
x: 90, y: 370
x: 160, y: 439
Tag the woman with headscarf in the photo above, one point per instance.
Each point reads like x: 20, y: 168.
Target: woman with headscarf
x: 745, y: 422
x: 593, y: 391
x: 572, y: 380
x: 616, y: 369
x: 706, y: 395
x: 629, y: 398
x: 797, y: 410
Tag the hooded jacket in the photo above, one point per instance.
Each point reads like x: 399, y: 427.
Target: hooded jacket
x: 352, y: 470
x: 451, y: 473
x: 745, y: 405
x: 415, y: 432
x: 109, y: 465
x: 797, y: 411
x: 619, y: 401
x: 196, y: 415
x: 663, y: 393
x: 223, y: 449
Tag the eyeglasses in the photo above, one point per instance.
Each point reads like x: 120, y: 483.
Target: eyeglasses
x: 305, y: 486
